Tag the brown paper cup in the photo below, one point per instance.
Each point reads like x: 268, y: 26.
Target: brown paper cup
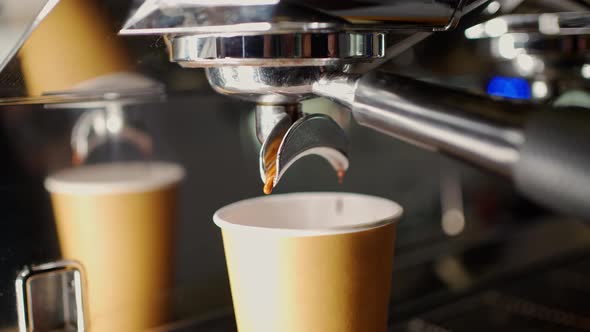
x: 118, y: 220
x: 310, y: 261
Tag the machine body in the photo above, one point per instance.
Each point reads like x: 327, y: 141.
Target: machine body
x: 278, y: 54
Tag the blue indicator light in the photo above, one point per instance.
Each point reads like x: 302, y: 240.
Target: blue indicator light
x: 509, y: 87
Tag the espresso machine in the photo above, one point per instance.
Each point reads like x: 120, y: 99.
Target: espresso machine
x: 484, y: 107
x: 294, y: 58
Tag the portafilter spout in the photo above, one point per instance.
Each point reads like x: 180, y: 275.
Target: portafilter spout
x: 287, y: 134
x: 272, y: 52
x: 292, y: 138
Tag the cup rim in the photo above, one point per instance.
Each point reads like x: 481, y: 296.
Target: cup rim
x: 67, y: 181
x: 292, y: 232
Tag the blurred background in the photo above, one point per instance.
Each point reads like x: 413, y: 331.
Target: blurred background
x: 471, y: 253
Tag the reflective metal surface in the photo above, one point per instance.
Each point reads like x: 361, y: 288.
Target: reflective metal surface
x: 567, y: 23
x: 17, y: 21
x: 100, y: 125
x: 52, y: 296
x: 104, y: 100
x: 469, y: 127
x: 549, y: 49
x: 226, y: 17
x: 269, y: 116
x: 275, y: 16
x: 289, y: 135
x: 276, y: 85
x: 297, y: 49
x: 315, y: 134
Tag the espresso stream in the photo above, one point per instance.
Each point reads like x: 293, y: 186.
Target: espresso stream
x: 270, y: 164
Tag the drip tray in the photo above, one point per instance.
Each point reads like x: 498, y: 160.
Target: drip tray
x: 554, y: 300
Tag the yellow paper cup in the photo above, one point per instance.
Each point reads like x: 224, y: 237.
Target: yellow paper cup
x: 118, y: 220
x: 313, y: 262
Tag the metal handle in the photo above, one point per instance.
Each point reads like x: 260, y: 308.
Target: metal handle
x: 554, y: 164
x: 545, y: 151
x: 479, y: 130
x: 51, y: 297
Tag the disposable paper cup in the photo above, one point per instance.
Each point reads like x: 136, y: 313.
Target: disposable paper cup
x: 310, y: 261
x: 118, y: 220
